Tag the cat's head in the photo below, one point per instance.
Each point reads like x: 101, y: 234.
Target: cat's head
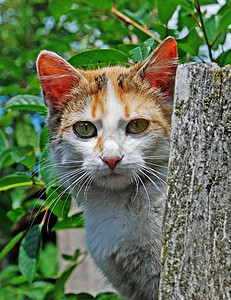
x: 107, y: 126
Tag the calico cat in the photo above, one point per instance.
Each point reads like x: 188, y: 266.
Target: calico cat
x: 109, y: 136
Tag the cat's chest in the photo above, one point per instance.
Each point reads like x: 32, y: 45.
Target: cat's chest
x: 111, y: 224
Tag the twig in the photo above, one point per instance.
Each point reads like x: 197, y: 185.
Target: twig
x: 127, y: 20
x: 201, y: 59
x: 219, y: 34
x: 44, y: 217
x: 197, y: 6
x: 194, y: 17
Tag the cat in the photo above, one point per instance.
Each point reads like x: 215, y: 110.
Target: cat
x: 109, y: 136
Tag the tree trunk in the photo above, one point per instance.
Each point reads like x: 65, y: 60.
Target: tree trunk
x: 197, y: 225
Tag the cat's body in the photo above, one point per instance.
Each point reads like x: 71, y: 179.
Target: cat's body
x: 109, y: 132
x: 125, y: 241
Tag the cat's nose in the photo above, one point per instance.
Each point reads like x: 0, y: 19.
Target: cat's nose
x: 112, y: 162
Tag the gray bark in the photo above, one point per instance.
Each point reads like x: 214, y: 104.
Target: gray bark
x: 197, y: 224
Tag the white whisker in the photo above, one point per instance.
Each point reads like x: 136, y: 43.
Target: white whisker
x: 153, y: 182
x: 146, y: 191
x: 137, y: 185
x: 155, y: 173
x: 156, y: 165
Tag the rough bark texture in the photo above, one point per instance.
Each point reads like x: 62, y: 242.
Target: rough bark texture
x: 197, y: 227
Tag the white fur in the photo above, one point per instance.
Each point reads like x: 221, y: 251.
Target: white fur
x: 123, y: 215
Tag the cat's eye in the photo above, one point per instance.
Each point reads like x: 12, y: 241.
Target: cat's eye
x: 137, y: 126
x: 85, y: 129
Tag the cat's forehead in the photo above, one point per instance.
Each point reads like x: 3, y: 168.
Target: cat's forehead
x: 111, y: 96
x: 110, y: 90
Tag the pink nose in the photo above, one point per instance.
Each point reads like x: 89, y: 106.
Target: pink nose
x: 112, y: 162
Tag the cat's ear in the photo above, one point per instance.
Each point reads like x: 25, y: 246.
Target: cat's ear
x: 57, y: 78
x: 160, y: 67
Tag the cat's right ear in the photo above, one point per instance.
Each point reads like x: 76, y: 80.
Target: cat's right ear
x: 160, y: 66
x: 57, y: 78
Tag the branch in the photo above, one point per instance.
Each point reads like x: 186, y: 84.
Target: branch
x: 44, y: 217
x: 219, y: 34
x: 197, y: 6
x: 198, y: 23
x: 127, y: 20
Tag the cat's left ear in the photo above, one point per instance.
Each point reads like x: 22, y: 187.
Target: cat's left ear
x: 57, y: 78
x: 160, y: 67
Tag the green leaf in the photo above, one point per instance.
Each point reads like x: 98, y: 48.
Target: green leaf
x: 126, y: 48
x: 61, y: 202
x: 15, y: 181
x: 15, y: 214
x: 26, y: 102
x: 142, y: 15
x: 7, y: 117
x: 11, y: 244
x: 9, y: 272
x: 57, y: 45
x: 81, y: 296
x: 107, y: 4
x: 6, y: 293
x: 43, y: 139
x: 59, y: 7
x: 141, y: 52
x: 185, y: 20
x: 98, y: 58
x: 7, y: 63
x: 191, y: 43
x: 207, y: 2
x: 224, y: 58
x: 38, y: 290
x: 166, y: 9
x: 29, y: 251
x: 187, y: 5
x: 17, y: 280
x: 45, y: 167
x: 25, y: 133
x: 59, y: 285
x: 48, y: 260
x: 17, y: 197
x: 10, y: 89
x: 74, y: 221
x: 212, y: 29
x: 108, y: 296
x: 3, y: 141
x: 5, y: 206
x: 73, y: 257
x: 24, y: 155
x: 225, y: 21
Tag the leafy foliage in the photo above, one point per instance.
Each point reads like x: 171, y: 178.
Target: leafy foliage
x: 89, y: 33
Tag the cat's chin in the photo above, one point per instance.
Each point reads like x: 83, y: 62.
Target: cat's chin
x: 114, y: 180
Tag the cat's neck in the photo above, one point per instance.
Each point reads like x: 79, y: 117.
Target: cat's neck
x: 111, y: 212
x: 136, y: 197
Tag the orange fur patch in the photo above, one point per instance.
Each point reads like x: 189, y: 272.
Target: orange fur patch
x: 97, y: 104
x: 162, y: 125
x: 127, y: 111
x: 99, y: 145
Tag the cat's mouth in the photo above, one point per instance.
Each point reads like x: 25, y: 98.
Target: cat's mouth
x: 113, y: 173
x: 114, y: 179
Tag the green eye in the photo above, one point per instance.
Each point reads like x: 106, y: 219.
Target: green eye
x: 85, y: 129
x: 137, y: 126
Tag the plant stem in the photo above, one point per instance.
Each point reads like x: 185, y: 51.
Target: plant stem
x: 197, y: 6
x: 127, y: 20
x: 194, y: 17
x: 219, y: 34
x: 44, y: 217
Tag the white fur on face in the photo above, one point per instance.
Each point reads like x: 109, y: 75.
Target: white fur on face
x: 115, y: 142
